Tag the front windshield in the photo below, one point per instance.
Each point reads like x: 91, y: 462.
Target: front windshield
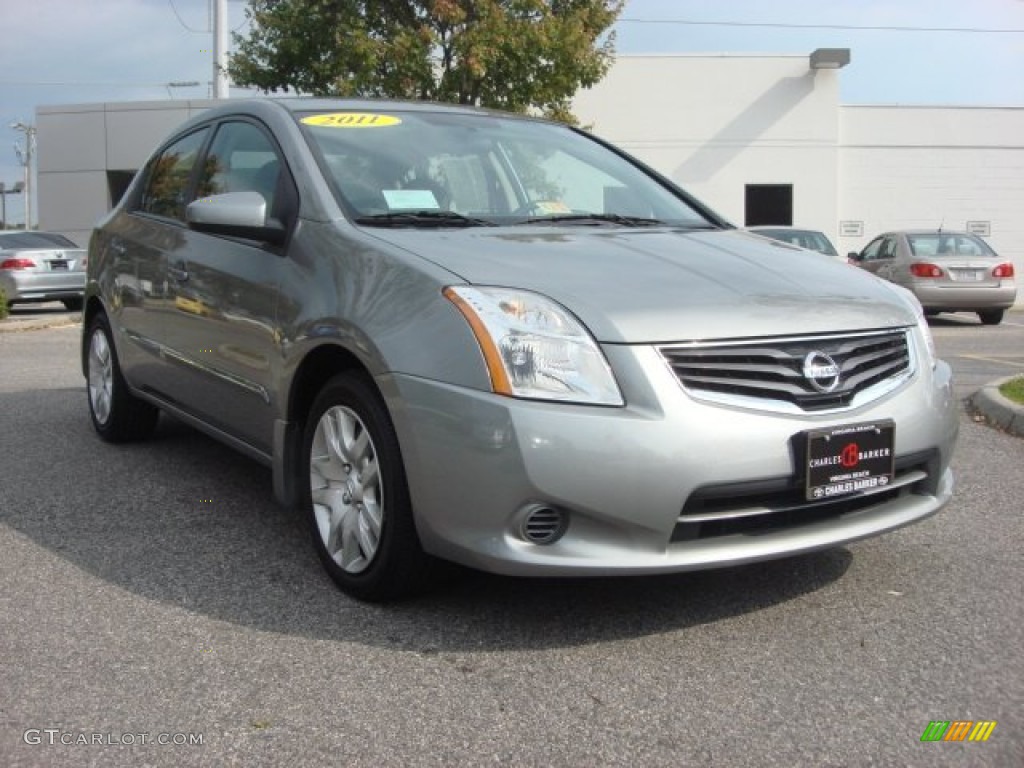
x: 413, y: 166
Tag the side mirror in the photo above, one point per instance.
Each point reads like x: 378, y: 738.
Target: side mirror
x: 854, y: 256
x: 235, y: 214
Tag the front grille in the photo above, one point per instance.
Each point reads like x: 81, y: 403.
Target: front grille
x: 772, y: 370
x: 769, y: 505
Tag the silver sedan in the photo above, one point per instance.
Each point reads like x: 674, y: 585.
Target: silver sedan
x: 461, y: 335
x: 946, y: 271
x: 41, y: 266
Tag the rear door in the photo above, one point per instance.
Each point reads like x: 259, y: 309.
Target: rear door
x: 139, y: 242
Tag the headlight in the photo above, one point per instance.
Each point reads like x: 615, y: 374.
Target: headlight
x: 926, y: 331
x: 535, y: 348
x: 922, y: 321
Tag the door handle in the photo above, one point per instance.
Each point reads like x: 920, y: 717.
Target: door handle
x: 178, y: 271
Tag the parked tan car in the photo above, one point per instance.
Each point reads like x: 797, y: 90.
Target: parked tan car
x: 947, y: 271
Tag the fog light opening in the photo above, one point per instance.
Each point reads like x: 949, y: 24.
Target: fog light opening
x: 544, y: 525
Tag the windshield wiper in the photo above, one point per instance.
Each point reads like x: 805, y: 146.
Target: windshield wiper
x: 426, y: 218
x: 595, y: 218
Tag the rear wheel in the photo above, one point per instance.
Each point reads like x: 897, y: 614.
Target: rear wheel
x: 117, y: 415
x: 356, y: 497
x: 73, y: 304
x: 991, y: 316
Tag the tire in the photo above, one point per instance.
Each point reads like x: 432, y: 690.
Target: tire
x: 117, y: 415
x: 355, y: 495
x: 72, y: 305
x: 991, y: 316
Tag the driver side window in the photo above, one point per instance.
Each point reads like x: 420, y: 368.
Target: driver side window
x: 241, y: 159
x: 888, y: 250
x: 871, y: 252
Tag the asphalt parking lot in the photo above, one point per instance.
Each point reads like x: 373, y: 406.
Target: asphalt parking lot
x: 155, y: 593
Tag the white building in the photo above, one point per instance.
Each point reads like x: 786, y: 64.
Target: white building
x: 762, y: 139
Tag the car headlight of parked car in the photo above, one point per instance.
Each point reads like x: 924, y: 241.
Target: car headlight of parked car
x: 535, y: 348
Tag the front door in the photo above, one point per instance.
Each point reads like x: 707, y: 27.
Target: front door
x: 221, y: 323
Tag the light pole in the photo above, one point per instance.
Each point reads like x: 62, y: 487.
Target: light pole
x: 25, y: 158
x: 220, y: 49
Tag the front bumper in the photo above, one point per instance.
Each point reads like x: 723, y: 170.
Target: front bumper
x: 477, y: 462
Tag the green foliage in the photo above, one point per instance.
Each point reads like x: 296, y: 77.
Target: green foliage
x: 1013, y: 390
x: 515, y: 55
x: 3, y: 304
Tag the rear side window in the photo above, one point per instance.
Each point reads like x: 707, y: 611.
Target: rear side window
x: 168, y: 177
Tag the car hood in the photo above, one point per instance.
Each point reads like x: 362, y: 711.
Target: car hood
x: 666, y: 285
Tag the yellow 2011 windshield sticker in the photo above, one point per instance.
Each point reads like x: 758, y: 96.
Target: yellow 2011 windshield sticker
x: 352, y: 120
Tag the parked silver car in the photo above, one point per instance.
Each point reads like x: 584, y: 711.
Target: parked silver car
x: 811, y: 239
x: 41, y: 266
x: 946, y: 271
x: 461, y: 335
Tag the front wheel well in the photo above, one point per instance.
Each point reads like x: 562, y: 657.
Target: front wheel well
x: 319, y: 367
x: 314, y: 371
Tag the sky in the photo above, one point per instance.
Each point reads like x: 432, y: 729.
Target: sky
x: 949, y: 52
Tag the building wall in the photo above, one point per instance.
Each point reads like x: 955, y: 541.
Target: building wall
x: 715, y: 123
x: 79, y: 143
x: 904, y: 167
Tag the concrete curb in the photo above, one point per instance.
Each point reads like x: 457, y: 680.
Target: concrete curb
x: 15, y: 324
x: 998, y: 410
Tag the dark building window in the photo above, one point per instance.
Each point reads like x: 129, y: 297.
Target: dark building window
x: 117, y: 184
x: 768, y: 204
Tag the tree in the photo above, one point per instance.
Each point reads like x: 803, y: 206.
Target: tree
x: 516, y: 55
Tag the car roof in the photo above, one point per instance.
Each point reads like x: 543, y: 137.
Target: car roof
x: 296, y: 104
x: 928, y: 232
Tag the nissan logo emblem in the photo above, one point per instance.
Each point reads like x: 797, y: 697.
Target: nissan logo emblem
x: 821, y: 371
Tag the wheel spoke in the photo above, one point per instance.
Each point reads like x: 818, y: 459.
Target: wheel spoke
x: 351, y: 554
x: 327, y: 467
x: 368, y: 476
x: 360, y: 450
x: 332, y: 434
x: 370, y: 519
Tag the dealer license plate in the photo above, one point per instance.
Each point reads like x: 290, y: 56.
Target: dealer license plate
x: 968, y: 275
x: 849, y: 459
